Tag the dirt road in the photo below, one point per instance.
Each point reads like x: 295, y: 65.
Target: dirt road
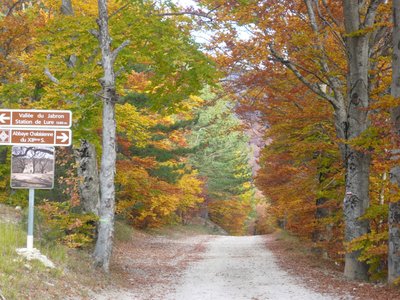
x: 239, y: 268
x: 228, y: 268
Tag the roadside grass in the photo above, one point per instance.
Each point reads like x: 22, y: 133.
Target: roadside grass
x: 74, y: 274
x: 293, y: 243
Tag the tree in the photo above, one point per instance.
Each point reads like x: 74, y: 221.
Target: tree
x: 104, y: 242
x: 302, y: 155
x: 222, y: 154
x: 394, y: 206
x: 353, y: 118
x: 330, y: 51
x: 60, y: 69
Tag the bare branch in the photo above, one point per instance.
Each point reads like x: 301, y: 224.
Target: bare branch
x: 10, y: 10
x: 371, y: 12
x: 95, y: 33
x: 334, y: 82
x: 66, y: 8
x: 50, y: 76
x: 335, y: 34
x: 328, y: 10
x: 315, y: 88
x: 117, y: 50
x: 183, y: 13
x: 191, y: 12
x: 118, y: 10
x: 311, y: 15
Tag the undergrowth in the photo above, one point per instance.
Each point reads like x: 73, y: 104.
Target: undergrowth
x: 23, y: 279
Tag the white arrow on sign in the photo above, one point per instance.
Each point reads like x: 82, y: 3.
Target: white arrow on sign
x: 3, y: 118
x: 63, y: 137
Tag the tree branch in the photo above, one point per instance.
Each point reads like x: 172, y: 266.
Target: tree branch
x: 183, y: 13
x: 118, y: 10
x: 95, y: 33
x: 334, y: 82
x: 315, y: 88
x: 50, y: 76
x: 328, y: 10
x: 10, y: 10
x: 119, y: 72
x: 370, y: 16
x: 336, y: 35
x: 117, y: 50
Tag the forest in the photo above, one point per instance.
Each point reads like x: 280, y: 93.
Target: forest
x: 255, y: 115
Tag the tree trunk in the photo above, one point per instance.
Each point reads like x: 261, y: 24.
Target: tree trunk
x: 66, y: 8
x: 322, y: 234
x: 3, y: 155
x: 86, y: 155
x: 103, y: 250
x: 394, y: 207
x: 89, y: 173
x: 356, y: 200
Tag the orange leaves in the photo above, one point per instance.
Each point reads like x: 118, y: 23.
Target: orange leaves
x: 138, y: 82
x: 230, y: 215
x: 16, y: 37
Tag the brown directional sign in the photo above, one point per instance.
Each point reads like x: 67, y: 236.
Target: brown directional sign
x: 29, y: 136
x: 35, y: 118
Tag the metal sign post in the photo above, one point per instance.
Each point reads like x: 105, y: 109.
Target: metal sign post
x: 29, y: 240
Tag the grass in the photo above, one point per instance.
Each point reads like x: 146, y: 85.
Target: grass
x: 74, y: 274
x: 18, y: 275
x: 22, y: 279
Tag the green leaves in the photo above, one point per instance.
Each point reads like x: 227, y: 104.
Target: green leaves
x: 222, y: 152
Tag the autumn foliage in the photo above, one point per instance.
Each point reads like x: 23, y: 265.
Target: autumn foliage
x: 289, y: 62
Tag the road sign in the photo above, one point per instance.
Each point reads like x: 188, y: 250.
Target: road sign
x: 29, y: 136
x: 35, y: 118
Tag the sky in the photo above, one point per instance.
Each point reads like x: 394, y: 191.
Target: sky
x: 185, y: 2
x: 200, y: 37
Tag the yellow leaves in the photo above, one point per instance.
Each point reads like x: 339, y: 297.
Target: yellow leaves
x: 230, y: 214
x: 133, y: 124
x: 191, y: 188
x: 196, y: 101
x: 150, y: 202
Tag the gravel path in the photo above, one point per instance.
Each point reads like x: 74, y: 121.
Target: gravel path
x: 236, y: 268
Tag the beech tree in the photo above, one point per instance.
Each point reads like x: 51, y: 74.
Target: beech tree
x: 394, y: 206
x: 330, y: 51
x: 104, y: 242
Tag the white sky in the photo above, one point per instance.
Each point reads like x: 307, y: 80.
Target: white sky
x: 185, y: 2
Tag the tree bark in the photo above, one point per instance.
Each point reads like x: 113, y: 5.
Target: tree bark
x: 103, y: 250
x: 66, y: 8
x: 356, y: 200
x: 394, y: 206
x: 89, y: 173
